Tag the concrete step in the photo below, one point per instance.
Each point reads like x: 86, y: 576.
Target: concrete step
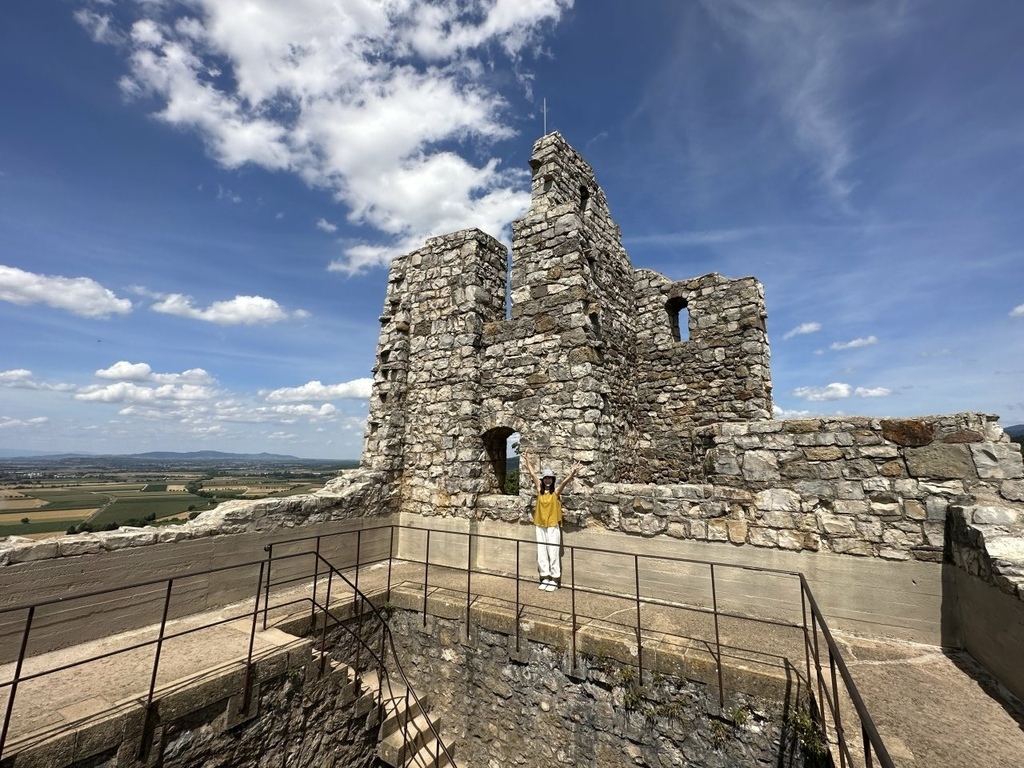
x: 407, y: 743
x: 428, y: 756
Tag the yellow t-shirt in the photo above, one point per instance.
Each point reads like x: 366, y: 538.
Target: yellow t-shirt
x: 548, y: 512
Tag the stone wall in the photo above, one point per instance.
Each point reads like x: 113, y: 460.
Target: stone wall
x: 583, y: 363
x: 531, y: 713
x: 297, y: 715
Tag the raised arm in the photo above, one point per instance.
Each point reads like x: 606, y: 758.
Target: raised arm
x: 529, y: 467
x: 572, y: 473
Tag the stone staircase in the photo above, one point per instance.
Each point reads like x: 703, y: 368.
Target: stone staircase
x: 405, y: 735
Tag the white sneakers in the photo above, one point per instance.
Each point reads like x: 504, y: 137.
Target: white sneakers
x: 548, y: 585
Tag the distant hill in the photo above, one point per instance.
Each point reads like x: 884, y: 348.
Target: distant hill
x: 14, y: 453
x: 1017, y: 430
x: 211, y: 455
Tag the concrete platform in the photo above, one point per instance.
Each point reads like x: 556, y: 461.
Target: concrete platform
x: 932, y: 708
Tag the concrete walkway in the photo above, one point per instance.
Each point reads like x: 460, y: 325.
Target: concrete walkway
x: 932, y: 709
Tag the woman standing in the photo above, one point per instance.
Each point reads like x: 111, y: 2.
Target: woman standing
x: 547, y: 518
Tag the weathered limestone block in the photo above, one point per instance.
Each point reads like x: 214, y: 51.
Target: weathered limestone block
x: 79, y: 544
x: 760, y: 466
x: 1012, y: 490
x: 941, y: 461
x: 997, y: 460
x: 994, y: 515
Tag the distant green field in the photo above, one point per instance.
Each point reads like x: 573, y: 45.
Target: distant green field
x: 155, y: 488
x: 23, y: 529
x: 71, y: 498
x: 136, y: 506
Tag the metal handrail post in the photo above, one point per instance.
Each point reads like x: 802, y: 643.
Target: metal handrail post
x: 807, y: 634
x: 156, y: 667
x: 836, y: 713
x: 817, y: 675
x: 572, y: 596
x: 391, y: 558
x: 868, y: 762
x: 469, y: 580
x: 518, y: 614
x: 323, y: 634
x: 426, y: 577
x: 639, y: 638
x: 252, y: 640
x: 17, y: 677
x: 316, y: 578
x: 359, y: 560
x: 718, y: 639
x: 269, y: 549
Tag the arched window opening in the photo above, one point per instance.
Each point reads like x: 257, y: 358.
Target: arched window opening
x: 678, y: 318
x: 501, y: 468
x: 584, y: 197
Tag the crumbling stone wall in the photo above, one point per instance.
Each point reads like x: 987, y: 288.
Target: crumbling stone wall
x: 497, y: 711
x: 858, y: 486
x: 583, y: 364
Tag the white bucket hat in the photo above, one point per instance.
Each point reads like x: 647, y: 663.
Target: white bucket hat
x: 547, y: 472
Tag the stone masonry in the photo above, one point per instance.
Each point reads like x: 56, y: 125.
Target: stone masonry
x: 593, y: 361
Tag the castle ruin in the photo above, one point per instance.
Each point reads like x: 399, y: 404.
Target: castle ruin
x: 908, y: 528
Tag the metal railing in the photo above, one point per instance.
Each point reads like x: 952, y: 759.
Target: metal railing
x: 818, y: 644
x: 639, y: 588
x: 322, y: 570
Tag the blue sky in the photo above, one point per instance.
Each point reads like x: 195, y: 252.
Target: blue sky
x: 198, y: 199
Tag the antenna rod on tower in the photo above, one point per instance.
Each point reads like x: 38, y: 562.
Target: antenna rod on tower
x: 545, y: 116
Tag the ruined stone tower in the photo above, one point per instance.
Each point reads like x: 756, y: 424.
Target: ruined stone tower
x: 595, y: 362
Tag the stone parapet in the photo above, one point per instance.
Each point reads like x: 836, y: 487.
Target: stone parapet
x: 354, y: 494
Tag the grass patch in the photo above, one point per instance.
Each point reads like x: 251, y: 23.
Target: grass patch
x: 46, y: 526
x: 137, y: 506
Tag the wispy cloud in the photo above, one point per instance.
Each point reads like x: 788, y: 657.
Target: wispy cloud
x: 365, y: 99
x: 854, y: 344
x: 872, y: 392
x: 38, y: 421
x: 241, y: 310
x: 79, y: 295
x: 1017, y: 311
x: 325, y: 226
x: 804, y: 63
x: 802, y: 329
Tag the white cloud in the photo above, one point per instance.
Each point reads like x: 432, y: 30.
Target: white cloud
x: 357, y: 389
x: 133, y: 393
x: 785, y: 413
x: 840, y: 345
x: 1017, y: 311
x: 834, y: 391
x: 141, y: 372
x: 20, y: 378
x: 15, y: 377
x: 98, y: 25
x: 802, y: 329
x: 357, y: 97
x: 78, y: 295
x: 872, y: 392
x: 241, y: 310
x: 325, y: 226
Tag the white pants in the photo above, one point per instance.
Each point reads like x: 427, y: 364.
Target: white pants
x: 549, y: 542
